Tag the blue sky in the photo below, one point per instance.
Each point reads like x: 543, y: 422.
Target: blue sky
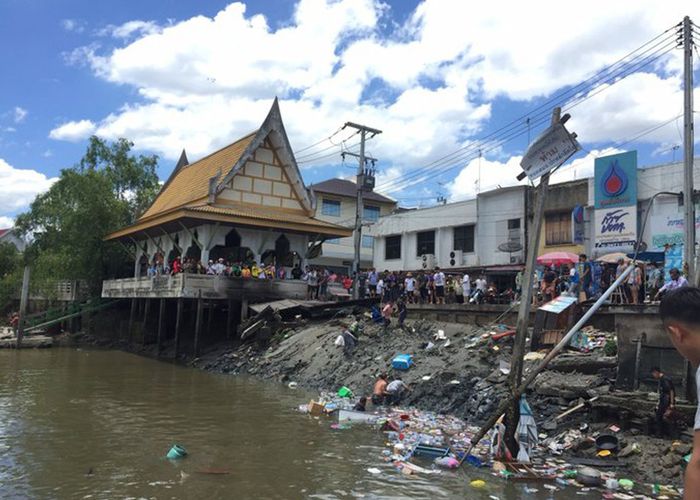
x: 434, y: 75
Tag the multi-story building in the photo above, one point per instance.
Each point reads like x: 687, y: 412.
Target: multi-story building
x: 336, y: 203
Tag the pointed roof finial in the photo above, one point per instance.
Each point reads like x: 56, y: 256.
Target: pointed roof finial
x: 183, y: 161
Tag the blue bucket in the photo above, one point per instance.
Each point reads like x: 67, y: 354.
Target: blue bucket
x: 176, y: 452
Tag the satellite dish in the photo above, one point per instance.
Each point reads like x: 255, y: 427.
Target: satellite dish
x: 315, y: 250
x: 642, y: 247
x: 510, y: 247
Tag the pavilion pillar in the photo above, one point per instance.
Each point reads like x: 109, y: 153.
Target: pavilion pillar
x: 244, y: 308
x: 146, y: 311
x: 178, y: 325
x: 198, y: 324
x: 132, y: 317
x: 161, y: 320
x: 229, y: 318
x: 210, y: 316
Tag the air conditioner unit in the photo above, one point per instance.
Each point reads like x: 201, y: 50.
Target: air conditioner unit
x: 456, y: 258
x: 428, y: 261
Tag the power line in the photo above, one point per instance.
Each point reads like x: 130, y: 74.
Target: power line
x: 606, y: 76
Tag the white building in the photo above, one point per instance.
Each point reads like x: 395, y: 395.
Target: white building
x: 10, y: 236
x: 337, y: 202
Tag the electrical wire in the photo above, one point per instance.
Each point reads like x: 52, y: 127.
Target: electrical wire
x: 608, y: 77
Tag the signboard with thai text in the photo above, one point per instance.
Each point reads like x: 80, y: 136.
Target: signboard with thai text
x: 668, y: 230
x: 616, y: 180
x: 615, y: 229
x: 549, y: 151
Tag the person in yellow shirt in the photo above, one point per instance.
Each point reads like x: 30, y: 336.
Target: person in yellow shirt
x: 254, y: 270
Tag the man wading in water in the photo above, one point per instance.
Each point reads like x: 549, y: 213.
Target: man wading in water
x: 680, y: 313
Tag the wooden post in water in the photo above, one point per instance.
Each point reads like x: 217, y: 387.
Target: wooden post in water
x: 178, y: 325
x: 198, y: 324
x: 161, y: 320
x: 132, y: 317
x: 146, y: 310
x: 244, y: 309
x: 229, y: 319
x: 23, y: 302
x: 209, y: 317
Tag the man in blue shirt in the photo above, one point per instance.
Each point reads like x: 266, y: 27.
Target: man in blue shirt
x: 585, y: 274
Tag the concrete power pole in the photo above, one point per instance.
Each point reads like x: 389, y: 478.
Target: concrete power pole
x: 359, y: 208
x: 688, y: 150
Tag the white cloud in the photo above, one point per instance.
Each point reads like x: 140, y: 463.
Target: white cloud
x: 18, y: 187
x: 73, y: 25
x: 130, y: 29
x: 6, y: 222
x: 73, y: 131
x: 205, y: 81
x: 486, y: 175
x: 19, y: 114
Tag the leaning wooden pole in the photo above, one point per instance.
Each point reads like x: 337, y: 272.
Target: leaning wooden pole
x: 532, y: 374
x: 521, y: 327
x: 23, y: 302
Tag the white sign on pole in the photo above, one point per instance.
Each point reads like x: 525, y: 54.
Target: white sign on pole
x: 549, y: 151
x: 615, y: 229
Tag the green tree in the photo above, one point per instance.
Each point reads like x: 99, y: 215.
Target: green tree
x: 9, y: 258
x: 105, y: 191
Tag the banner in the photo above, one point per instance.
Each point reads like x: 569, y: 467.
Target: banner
x: 578, y: 229
x: 615, y: 229
x: 616, y: 180
x: 668, y: 230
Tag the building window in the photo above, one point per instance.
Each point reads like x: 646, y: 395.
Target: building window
x: 392, y: 247
x: 464, y: 238
x: 333, y: 241
x: 425, y: 243
x: 513, y: 224
x: 557, y: 227
x: 367, y: 241
x: 330, y: 208
x: 371, y: 213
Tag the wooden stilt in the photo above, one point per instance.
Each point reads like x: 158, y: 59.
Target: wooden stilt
x: 146, y: 311
x: 209, y: 317
x: 161, y: 321
x: 178, y: 325
x: 198, y: 324
x: 132, y: 317
x: 229, y: 319
x: 244, y: 309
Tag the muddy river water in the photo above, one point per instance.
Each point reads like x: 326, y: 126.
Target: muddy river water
x: 97, y: 424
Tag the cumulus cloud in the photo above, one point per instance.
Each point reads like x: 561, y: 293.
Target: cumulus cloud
x: 6, y: 222
x: 19, y: 114
x: 18, y: 187
x: 73, y: 25
x: 73, y: 131
x: 428, y: 82
x: 481, y: 175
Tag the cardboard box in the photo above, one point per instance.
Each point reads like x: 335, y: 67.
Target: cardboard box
x: 316, y: 409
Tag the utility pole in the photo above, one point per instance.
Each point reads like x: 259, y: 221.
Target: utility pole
x: 359, y: 208
x: 516, y: 366
x: 688, y: 150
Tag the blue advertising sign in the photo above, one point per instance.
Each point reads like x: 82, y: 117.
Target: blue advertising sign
x: 616, y: 180
x: 578, y: 228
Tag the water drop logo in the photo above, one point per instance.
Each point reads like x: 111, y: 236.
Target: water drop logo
x: 614, y: 181
x: 578, y: 214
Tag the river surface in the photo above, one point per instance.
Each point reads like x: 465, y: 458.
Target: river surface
x: 97, y: 424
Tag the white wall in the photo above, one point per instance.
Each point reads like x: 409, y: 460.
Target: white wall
x: 442, y: 219
x: 495, y: 208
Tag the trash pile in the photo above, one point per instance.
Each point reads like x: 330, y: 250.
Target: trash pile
x: 425, y: 443
x: 589, y: 338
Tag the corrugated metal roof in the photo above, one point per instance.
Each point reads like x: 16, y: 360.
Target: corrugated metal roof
x: 342, y: 187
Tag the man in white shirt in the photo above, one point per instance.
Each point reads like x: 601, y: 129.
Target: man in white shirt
x: 677, y: 281
x: 395, y: 391
x: 680, y: 313
x: 439, y: 280
x: 410, y: 286
x: 466, y: 287
x: 481, y: 283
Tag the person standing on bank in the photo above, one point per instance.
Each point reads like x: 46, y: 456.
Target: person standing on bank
x: 680, y: 313
x: 439, y: 280
x: 667, y: 399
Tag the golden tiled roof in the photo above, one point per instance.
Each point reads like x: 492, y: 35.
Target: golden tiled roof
x: 191, y: 183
